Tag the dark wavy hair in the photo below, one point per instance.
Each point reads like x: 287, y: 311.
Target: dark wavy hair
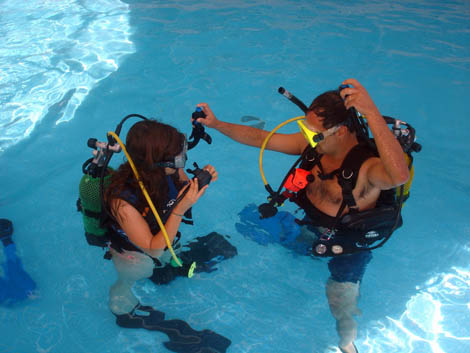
x: 147, y: 142
x: 330, y: 106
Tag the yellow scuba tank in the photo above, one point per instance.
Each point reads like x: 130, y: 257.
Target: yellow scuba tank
x: 407, y: 186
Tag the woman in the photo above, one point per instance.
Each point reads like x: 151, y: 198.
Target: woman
x: 137, y: 242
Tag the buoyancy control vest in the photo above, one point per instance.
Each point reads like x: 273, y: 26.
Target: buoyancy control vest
x: 100, y: 229
x: 357, y: 230
x: 118, y: 238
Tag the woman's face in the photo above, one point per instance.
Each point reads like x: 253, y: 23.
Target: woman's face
x: 170, y: 171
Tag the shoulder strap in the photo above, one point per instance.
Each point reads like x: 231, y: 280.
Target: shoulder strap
x: 348, y: 172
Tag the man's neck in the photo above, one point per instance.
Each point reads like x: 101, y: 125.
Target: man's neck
x: 342, y: 150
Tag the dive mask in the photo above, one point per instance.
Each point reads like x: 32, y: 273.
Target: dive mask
x: 179, y: 160
x: 313, y: 137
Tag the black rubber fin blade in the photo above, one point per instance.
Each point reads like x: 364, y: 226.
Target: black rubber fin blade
x: 207, y: 251
x: 182, y: 337
x: 6, y: 228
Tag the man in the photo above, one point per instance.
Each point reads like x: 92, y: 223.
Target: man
x: 328, y: 114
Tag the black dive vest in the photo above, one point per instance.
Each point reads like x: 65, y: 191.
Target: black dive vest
x: 357, y: 230
x: 120, y: 241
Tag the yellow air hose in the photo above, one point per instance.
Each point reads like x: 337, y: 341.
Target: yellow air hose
x: 266, y: 140
x: 151, y: 205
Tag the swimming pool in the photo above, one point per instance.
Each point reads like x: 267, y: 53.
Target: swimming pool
x: 72, y: 72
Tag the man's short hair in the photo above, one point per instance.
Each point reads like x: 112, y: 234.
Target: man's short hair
x: 330, y: 107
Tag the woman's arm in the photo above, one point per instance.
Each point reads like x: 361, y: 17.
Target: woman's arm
x: 137, y: 229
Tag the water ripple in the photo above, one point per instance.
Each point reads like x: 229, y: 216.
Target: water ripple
x: 54, y: 56
x: 436, y: 318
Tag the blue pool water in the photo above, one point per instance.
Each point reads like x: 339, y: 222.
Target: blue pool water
x: 71, y: 70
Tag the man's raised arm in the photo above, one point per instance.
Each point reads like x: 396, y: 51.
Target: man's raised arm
x: 393, y: 169
x: 251, y: 136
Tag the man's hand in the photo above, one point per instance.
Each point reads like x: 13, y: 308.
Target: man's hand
x: 358, y: 98
x: 210, y: 120
x: 392, y: 169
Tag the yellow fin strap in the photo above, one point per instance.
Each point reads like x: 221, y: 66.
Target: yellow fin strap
x: 147, y: 197
x: 191, y: 270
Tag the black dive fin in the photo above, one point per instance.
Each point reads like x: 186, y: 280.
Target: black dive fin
x: 206, y: 251
x: 6, y: 228
x: 182, y: 338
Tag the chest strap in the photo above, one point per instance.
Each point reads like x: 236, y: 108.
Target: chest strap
x: 346, y: 174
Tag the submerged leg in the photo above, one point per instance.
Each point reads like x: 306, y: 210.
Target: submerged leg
x: 342, y: 298
x: 342, y: 290
x: 130, y: 266
x: 350, y: 348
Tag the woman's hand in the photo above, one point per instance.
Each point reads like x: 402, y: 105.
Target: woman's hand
x: 211, y: 171
x: 192, y: 195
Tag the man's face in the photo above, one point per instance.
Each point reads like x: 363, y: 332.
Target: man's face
x: 315, y: 123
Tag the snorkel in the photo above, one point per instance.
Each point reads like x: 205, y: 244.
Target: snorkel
x: 293, y: 99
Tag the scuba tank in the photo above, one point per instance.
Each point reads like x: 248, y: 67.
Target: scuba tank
x: 90, y: 191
